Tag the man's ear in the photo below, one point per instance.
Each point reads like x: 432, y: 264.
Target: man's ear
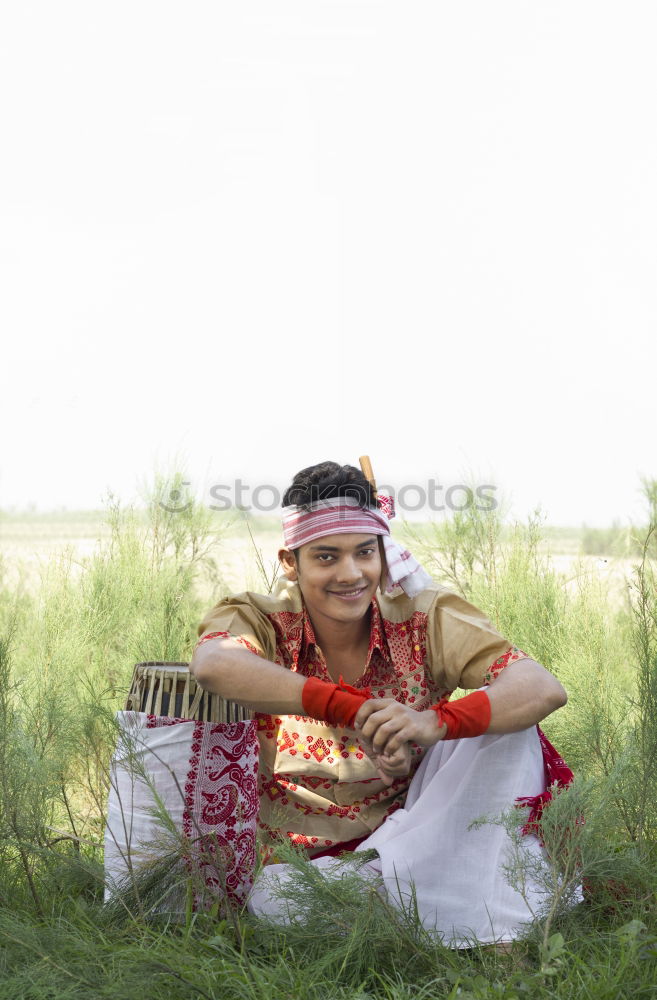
x: 289, y: 563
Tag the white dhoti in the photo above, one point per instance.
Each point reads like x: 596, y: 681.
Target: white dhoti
x: 429, y: 848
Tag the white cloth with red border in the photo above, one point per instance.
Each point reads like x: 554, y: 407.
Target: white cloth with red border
x: 204, y: 775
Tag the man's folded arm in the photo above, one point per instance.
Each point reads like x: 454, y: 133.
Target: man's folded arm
x: 222, y: 666
x: 523, y: 694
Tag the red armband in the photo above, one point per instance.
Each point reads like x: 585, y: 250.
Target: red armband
x: 336, y: 704
x: 469, y: 716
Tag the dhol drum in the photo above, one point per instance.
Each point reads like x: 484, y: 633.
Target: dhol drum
x: 194, y: 755
x: 169, y: 690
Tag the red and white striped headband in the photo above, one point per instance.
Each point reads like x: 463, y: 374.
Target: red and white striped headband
x: 340, y: 516
x: 345, y: 516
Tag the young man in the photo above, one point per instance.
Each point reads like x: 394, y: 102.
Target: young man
x: 359, y: 745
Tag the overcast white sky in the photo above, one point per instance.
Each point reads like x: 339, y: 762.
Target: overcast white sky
x: 258, y: 235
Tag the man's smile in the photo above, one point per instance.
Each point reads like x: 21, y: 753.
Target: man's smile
x: 349, y: 595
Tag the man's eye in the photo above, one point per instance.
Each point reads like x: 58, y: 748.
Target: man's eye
x: 324, y: 556
x: 366, y: 552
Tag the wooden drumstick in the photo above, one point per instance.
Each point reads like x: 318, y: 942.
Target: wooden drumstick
x: 368, y: 472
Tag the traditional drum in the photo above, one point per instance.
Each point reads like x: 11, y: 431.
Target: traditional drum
x: 194, y: 756
x: 169, y: 690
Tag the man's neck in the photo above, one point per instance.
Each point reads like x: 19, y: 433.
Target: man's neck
x: 338, y: 639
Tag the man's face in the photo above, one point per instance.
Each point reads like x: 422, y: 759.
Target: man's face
x: 337, y: 575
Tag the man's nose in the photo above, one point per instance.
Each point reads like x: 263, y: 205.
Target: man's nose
x: 348, y: 571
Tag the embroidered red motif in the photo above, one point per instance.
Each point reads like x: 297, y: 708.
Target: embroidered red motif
x: 503, y: 661
x: 407, y: 639
x: 318, y: 749
x: 228, y: 635
x: 286, y: 742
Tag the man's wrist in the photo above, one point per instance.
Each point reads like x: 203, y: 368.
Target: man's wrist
x: 337, y: 704
x: 435, y: 727
x: 469, y: 716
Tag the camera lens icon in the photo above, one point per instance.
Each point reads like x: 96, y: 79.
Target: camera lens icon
x: 175, y: 500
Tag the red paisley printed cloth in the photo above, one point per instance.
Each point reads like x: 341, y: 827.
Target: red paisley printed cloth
x: 221, y: 803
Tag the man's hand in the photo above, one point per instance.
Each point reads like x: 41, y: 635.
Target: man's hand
x: 389, y: 766
x: 387, y: 725
x: 522, y: 695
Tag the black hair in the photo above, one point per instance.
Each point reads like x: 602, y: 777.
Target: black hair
x: 326, y: 481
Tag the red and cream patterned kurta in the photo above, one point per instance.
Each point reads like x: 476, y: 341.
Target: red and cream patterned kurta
x: 317, y: 786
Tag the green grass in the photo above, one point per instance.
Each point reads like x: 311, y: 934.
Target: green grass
x: 70, y: 633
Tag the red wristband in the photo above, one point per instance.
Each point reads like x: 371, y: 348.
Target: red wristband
x: 336, y: 704
x: 469, y: 716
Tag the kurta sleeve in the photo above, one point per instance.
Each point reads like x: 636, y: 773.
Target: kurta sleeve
x: 462, y: 644
x: 239, y: 618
